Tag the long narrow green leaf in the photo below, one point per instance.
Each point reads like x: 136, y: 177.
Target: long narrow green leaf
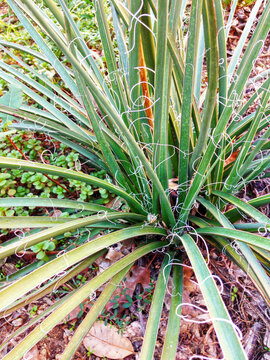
x: 252, y: 227
x: 52, y: 203
x: 150, y: 336
x: 90, y: 155
x: 254, y: 46
x: 86, y: 55
x: 174, y: 20
x: 121, y: 42
x: 104, y: 144
x: 73, y: 301
x: 31, y: 240
x: 225, y: 330
x: 210, y: 33
x: 253, y: 98
x: 49, y: 90
x: 254, y: 268
x: 113, y: 71
x: 45, y: 272
x: 244, y: 262
x: 47, y: 121
x: 82, y: 46
x: 23, y: 222
x: 122, y: 11
x: 52, y: 285
x: 240, y: 127
x: 127, y: 136
x: 50, y: 107
x: 54, y: 130
x: 32, y: 322
x: 243, y: 236
x: 178, y: 73
x: 222, y: 78
x: 14, y: 98
x: 134, y: 63
x: 160, y: 151
x: 66, y: 50
x: 258, y: 170
x: 242, y: 41
x: 67, y: 173
x: 216, y: 178
x: 234, y: 214
x: 138, y: 121
x: 229, y: 22
x: 243, y: 206
x: 148, y: 42
x: 45, y: 49
x: 199, y: 65
x: 135, y: 150
x: 92, y: 315
x: 240, y: 165
x: 27, y: 50
x: 259, y: 144
x: 195, y: 16
x: 243, y: 71
x: 34, y: 123
x: 48, y: 20
x: 173, y: 327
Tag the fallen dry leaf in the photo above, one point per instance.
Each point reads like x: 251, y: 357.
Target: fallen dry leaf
x: 32, y: 354
x: 191, y: 292
x: 173, y: 184
x: 17, y: 322
x: 56, y: 213
x: 138, y: 275
x: 134, y: 330
x: 104, y: 340
x: 113, y: 255
x: 231, y: 158
x: 75, y: 312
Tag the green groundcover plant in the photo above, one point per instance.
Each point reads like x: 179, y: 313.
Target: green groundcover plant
x: 152, y: 117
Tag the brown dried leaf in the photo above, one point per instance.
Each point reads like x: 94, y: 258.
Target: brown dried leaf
x: 140, y: 275
x: 102, y: 264
x: 17, y: 322
x: 231, y: 158
x: 32, y: 354
x: 72, y: 315
x: 104, y: 340
x: 75, y: 312
x: 134, y: 330
x: 173, y: 184
x: 10, y: 268
x: 113, y: 255
x: 189, y: 287
x: 56, y: 213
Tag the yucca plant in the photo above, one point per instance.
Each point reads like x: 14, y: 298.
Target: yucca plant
x: 149, y: 119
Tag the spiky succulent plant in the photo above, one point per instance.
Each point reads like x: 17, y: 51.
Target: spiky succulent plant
x: 168, y: 107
